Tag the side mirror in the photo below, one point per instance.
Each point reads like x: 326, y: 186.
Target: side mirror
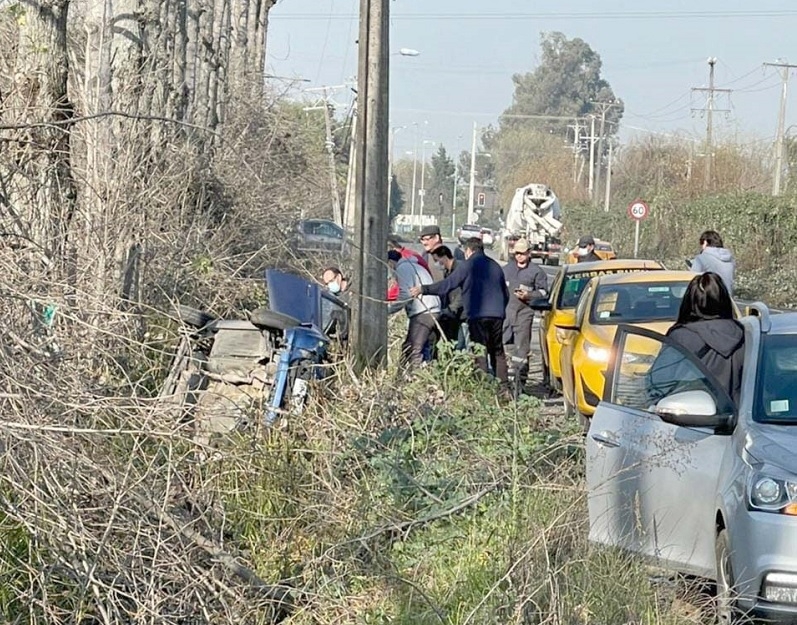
x: 691, y: 409
x: 540, y: 303
x: 567, y: 320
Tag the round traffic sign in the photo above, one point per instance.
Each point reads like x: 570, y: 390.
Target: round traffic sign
x: 638, y: 210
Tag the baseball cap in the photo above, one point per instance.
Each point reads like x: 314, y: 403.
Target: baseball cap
x: 521, y: 245
x: 586, y: 240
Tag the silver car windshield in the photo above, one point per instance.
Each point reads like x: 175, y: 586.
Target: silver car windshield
x: 776, y: 383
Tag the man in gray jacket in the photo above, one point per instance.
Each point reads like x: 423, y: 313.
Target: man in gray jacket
x: 715, y: 257
x: 421, y: 311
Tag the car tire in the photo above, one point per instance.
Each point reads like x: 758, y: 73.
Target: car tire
x: 726, y: 610
x: 194, y: 317
x: 270, y: 320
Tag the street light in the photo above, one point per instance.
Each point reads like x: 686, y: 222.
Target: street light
x: 423, y: 172
x: 408, y: 52
x: 415, y: 170
x: 391, y: 156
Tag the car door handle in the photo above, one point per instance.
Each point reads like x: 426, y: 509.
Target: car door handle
x: 605, y: 439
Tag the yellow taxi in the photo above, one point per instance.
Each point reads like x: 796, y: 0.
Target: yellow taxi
x: 650, y: 299
x: 604, y: 249
x: 558, y: 309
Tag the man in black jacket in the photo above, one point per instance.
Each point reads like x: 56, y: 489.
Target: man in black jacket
x: 452, y: 315
x: 525, y: 281
x: 586, y: 250
x: 484, y: 300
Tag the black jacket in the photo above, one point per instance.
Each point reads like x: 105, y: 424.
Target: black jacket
x: 719, y: 344
x: 589, y: 258
x: 484, y: 292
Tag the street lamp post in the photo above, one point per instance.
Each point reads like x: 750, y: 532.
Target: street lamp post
x: 391, y: 158
x: 423, y: 173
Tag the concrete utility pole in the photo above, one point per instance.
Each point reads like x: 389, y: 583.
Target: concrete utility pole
x: 709, y: 110
x: 414, y: 174
x: 604, y: 108
x: 326, y: 106
x: 780, y: 141
x: 576, y: 148
x: 423, y: 174
x: 350, y: 177
x: 591, y: 186
x: 608, y: 198
x: 472, y: 185
x: 454, y: 202
x: 369, y: 318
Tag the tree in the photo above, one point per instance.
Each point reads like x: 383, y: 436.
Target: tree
x: 485, y: 167
x: 396, y: 199
x: 566, y: 83
x: 441, y: 187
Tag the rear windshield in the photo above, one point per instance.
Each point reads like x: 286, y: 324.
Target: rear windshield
x: 776, y: 381
x: 637, y: 303
x: 574, y: 283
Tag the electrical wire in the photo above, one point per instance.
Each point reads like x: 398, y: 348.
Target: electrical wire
x: 626, y: 15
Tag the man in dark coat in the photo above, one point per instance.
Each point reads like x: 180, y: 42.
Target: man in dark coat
x: 586, y: 250
x: 484, y: 300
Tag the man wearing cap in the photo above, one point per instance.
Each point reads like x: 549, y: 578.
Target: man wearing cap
x: 525, y: 281
x: 422, y: 311
x: 484, y: 299
x: 586, y: 249
x: 431, y: 239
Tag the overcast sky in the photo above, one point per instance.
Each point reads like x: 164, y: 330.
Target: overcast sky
x: 652, y: 55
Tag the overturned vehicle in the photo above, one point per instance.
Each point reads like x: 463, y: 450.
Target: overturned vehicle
x: 226, y: 370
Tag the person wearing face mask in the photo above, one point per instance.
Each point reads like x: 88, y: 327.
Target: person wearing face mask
x: 586, y: 250
x: 451, y: 316
x: 336, y: 283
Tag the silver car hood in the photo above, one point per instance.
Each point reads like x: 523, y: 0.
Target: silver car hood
x: 773, y: 445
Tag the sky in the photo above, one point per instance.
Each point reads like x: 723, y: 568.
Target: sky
x: 653, y: 53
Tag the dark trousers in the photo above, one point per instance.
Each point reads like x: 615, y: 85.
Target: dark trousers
x: 517, y: 328
x: 488, y: 331
x: 422, y: 329
x: 450, y: 326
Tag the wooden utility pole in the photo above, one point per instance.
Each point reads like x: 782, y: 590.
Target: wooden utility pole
x: 709, y: 110
x: 369, y: 319
x: 603, y: 107
x: 785, y: 68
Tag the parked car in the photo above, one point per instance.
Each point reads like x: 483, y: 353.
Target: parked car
x: 469, y: 231
x: 679, y: 474
x: 317, y: 235
x: 650, y: 299
x: 560, y: 305
x: 224, y: 367
x: 488, y: 238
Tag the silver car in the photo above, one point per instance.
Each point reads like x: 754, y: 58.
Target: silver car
x: 678, y: 474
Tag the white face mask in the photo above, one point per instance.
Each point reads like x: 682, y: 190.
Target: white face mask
x: 582, y: 251
x: 333, y: 287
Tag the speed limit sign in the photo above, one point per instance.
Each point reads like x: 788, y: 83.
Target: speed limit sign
x: 638, y: 210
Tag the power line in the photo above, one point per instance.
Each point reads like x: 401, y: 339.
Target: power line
x: 627, y: 15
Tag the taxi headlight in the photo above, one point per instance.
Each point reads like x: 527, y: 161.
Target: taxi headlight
x: 598, y: 354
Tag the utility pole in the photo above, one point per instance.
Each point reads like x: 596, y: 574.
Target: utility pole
x: 326, y: 106
x: 454, y: 202
x: 709, y: 110
x: 423, y: 174
x: 350, y: 177
x: 785, y: 68
x: 414, y: 175
x: 608, y: 198
x: 576, y: 148
x: 604, y: 108
x: 369, y: 319
x: 591, y: 186
x: 472, y: 185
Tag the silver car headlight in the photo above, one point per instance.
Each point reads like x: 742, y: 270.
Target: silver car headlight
x: 772, y: 494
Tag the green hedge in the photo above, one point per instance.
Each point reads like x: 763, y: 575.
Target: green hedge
x: 760, y: 230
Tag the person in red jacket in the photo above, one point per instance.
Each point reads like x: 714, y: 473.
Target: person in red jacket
x: 394, y: 244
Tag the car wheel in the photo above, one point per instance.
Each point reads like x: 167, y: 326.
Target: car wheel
x: 194, y: 316
x: 725, y: 603
x: 269, y: 320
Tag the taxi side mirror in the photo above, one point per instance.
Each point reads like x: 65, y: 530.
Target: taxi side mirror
x: 540, y: 303
x: 567, y: 320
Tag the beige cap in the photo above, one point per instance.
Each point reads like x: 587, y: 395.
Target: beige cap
x: 521, y: 245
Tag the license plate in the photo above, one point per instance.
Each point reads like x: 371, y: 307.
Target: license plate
x: 780, y: 594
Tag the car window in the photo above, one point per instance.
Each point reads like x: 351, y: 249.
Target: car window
x: 573, y: 283
x: 648, y: 367
x: 582, y: 304
x: 776, y: 381
x: 637, y: 302
x: 321, y: 228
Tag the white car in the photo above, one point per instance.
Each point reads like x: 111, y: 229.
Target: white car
x: 469, y: 231
x: 487, y: 237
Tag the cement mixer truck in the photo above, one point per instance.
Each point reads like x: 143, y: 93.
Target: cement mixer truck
x: 533, y: 214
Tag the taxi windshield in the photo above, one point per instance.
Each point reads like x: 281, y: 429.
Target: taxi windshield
x: 637, y: 302
x: 574, y: 283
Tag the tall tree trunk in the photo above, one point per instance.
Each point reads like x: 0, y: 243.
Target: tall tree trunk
x: 37, y: 180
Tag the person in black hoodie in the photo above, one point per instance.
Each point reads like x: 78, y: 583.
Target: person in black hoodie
x: 707, y: 328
